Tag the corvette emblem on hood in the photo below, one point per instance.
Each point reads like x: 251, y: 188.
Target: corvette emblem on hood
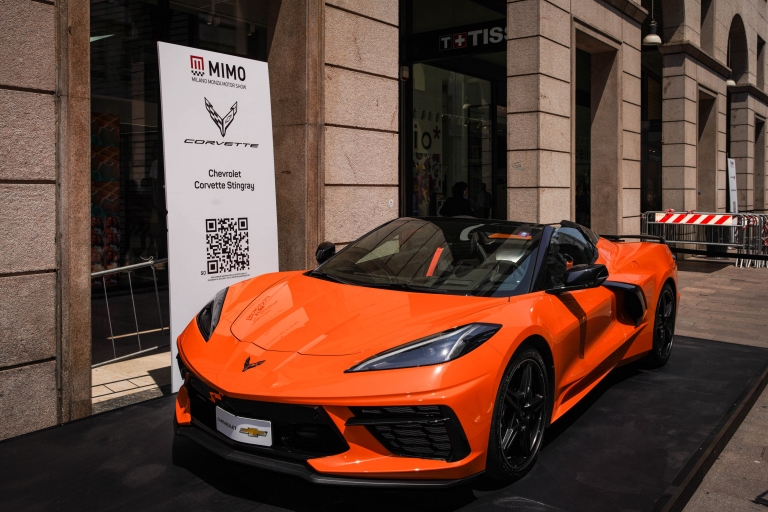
x: 248, y: 365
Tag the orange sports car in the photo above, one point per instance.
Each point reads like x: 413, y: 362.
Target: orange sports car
x: 427, y: 352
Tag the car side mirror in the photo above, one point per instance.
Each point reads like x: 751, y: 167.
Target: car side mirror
x: 581, y: 277
x: 324, y: 252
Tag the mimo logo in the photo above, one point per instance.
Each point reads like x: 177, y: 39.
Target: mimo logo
x: 197, y: 64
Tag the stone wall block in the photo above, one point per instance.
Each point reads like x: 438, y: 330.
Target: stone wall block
x: 27, y: 136
x: 631, y: 60
x: 539, y: 18
x: 679, y: 87
x: 631, y: 89
x: 554, y: 169
x: 555, y: 132
x: 742, y: 149
x: 522, y: 131
x: 360, y: 100
x: 677, y: 64
x: 28, y: 399
x: 28, y: 45
x: 523, y: 168
x: 360, y: 43
x: 358, y: 209
x: 523, y: 55
x: 554, y: 96
x: 631, y: 225
x: 630, y: 173
x: 673, y: 198
x: 631, y: 117
x: 27, y: 318
x: 523, y: 93
x: 27, y: 227
x: 360, y: 157
x: 631, y: 202
x: 554, y: 204
x: 631, y: 145
x: 673, y: 178
x: 679, y: 132
x: 678, y: 155
x: 384, y: 10
x: 631, y: 34
x: 742, y: 133
x: 679, y: 109
x: 523, y: 204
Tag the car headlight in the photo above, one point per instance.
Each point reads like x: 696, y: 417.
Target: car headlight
x: 436, y: 349
x: 208, y: 317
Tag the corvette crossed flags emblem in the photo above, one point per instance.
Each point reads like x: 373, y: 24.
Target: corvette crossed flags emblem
x: 222, y: 123
x: 248, y: 365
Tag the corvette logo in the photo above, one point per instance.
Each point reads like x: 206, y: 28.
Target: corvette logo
x: 248, y: 365
x: 222, y: 123
x: 253, y: 432
x: 213, y: 396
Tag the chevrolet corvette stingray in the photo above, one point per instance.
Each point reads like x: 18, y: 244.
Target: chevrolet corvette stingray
x: 425, y: 353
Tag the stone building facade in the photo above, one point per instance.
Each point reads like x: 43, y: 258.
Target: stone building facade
x: 568, y: 116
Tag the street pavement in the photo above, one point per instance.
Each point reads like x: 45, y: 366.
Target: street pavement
x: 730, y: 304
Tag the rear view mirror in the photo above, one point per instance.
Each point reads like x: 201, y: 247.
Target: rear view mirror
x: 581, y: 277
x: 324, y: 252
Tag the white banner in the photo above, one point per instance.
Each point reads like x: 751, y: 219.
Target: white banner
x: 219, y: 177
x: 733, y: 200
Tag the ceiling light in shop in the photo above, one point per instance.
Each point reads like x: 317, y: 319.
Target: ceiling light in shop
x: 99, y: 38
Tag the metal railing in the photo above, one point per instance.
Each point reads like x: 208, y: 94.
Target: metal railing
x: 129, y: 269
x: 719, y: 233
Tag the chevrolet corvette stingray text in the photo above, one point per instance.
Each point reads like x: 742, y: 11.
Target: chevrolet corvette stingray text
x: 220, y: 185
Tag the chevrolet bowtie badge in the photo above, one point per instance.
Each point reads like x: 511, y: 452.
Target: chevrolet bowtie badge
x: 253, y: 432
x: 247, y: 365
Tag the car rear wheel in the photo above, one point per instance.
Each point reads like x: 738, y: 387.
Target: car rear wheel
x: 663, y: 327
x: 520, y: 416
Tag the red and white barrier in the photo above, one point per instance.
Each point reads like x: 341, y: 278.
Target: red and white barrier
x: 708, y: 219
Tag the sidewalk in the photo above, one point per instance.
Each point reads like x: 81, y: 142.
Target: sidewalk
x: 131, y: 381
x: 730, y: 304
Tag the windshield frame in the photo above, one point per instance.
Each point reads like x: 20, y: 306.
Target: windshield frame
x: 535, y: 257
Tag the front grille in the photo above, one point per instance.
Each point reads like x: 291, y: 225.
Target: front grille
x: 427, y: 432
x: 298, y: 431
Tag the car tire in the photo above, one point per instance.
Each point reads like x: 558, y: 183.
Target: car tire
x: 520, y: 416
x: 663, y: 328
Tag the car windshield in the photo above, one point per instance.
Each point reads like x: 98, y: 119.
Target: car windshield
x: 440, y: 255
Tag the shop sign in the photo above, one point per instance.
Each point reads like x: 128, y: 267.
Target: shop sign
x: 487, y: 37
x: 219, y: 176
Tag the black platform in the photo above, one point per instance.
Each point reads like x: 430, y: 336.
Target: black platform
x: 640, y: 439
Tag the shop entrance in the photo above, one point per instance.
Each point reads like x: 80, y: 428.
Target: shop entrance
x: 453, y: 103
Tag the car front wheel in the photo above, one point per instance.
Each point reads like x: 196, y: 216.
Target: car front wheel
x: 519, y: 417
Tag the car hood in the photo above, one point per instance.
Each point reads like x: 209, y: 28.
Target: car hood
x: 311, y: 316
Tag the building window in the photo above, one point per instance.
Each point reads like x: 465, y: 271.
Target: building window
x: 454, y: 108
x: 127, y: 179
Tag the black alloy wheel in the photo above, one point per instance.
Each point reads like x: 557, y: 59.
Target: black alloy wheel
x: 663, y: 327
x: 520, y: 416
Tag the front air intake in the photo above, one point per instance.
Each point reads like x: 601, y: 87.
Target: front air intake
x: 426, y: 432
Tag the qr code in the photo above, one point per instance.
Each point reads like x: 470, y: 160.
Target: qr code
x: 226, y: 242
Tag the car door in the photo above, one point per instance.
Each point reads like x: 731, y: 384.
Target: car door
x: 587, y: 330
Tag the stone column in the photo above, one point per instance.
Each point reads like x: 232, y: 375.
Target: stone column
x: 295, y: 57
x: 361, y: 96
x: 743, y: 147
x: 45, y: 333
x: 539, y: 164
x: 679, y: 117
x: 631, y: 119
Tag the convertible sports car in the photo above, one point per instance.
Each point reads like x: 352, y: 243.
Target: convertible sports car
x: 427, y: 352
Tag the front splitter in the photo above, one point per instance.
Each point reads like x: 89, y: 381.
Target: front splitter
x: 231, y: 453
